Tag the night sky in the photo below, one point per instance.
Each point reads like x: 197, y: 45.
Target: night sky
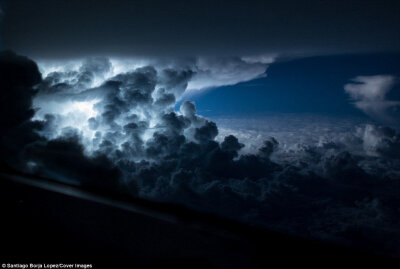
x: 282, y: 114
x: 76, y: 28
x: 306, y: 85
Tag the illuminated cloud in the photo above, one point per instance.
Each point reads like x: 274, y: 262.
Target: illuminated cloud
x: 206, y: 72
x: 263, y: 58
x: 210, y: 73
x: 122, y: 134
x: 369, y: 94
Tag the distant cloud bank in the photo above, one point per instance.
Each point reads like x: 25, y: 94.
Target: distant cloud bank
x: 369, y: 94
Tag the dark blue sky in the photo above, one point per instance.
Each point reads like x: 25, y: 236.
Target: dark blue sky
x: 308, y: 85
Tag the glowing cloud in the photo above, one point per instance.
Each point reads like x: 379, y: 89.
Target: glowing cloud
x: 369, y: 94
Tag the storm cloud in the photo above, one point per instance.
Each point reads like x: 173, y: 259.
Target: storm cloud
x: 120, y: 132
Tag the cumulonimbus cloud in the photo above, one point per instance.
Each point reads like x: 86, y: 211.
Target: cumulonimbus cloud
x: 369, y: 94
x: 124, y: 135
x: 207, y: 72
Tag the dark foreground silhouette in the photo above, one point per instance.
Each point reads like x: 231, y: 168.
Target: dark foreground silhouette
x: 48, y: 222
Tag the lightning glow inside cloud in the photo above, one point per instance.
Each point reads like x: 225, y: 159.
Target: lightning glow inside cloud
x: 99, y: 97
x: 100, y: 124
